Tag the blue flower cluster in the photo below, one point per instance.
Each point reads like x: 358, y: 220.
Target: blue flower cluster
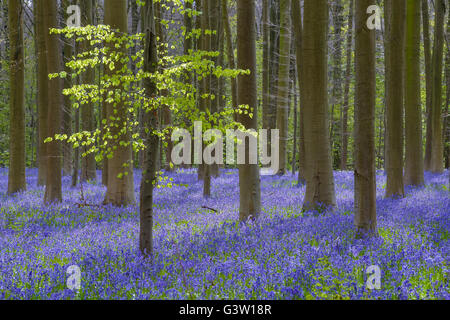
x: 203, y: 254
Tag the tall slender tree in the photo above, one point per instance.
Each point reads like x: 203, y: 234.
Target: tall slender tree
x: 394, y: 98
x: 42, y: 92
x: 16, y: 174
x: 152, y: 141
x: 53, y: 192
x: 365, y: 183
x: 336, y: 102
x: 282, y: 115
x: 428, y: 80
x: 230, y: 52
x: 413, y: 111
x: 67, y: 150
x: 120, y: 187
x: 270, y: 114
x: 298, y: 30
x: 319, y: 175
x: 437, y: 145
x: 266, y: 53
x: 345, y: 107
x: 249, y: 179
x: 88, y: 164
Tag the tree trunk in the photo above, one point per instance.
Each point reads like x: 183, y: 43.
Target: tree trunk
x: 428, y: 80
x: 249, y: 180
x: 445, y: 128
x: 67, y: 149
x: 437, y: 145
x: 283, y: 82
x: 42, y: 93
x: 394, y: 98
x: 149, y: 173
x: 230, y: 53
x: 365, y: 183
x: 345, y: 107
x: 205, y: 103
x: 298, y: 29
x: 266, y: 58
x: 214, y: 25
x: 413, y: 107
x: 16, y: 174
x: 319, y: 179
x: 88, y: 165
x: 53, y: 191
x: 294, y: 146
x: 120, y: 189
x: 337, y: 9
x: 270, y: 115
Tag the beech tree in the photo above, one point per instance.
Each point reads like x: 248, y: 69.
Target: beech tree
x: 282, y: 115
x: 53, y: 191
x: 67, y: 150
x: 428, y: 80
x: 437, y: 144
x: 120, y: 185
x: 16, y: 174
x: 42, y: 92
x: 151, y: 121
x: 413, y: 111
x: 365, y: 183
x: 88, y: 164
x: 394, y: 97
x: 249, y: 180
x: 298, y: 29
x: 345, y: 107
x: 230, y: 52
x: 319, y: 173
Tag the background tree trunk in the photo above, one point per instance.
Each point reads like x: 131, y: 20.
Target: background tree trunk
x: 120, y: 187
x: 298, y: 29
x: 42, y: 92
x: 266, y: 59
x: 437, y: 145
x: 88, y: 164
x: 16, y: 174
x: 394, y: 98
x: 346, y: 105
x: 428, y: 80
x: 283, y: 83
x: 413, y: 106
x: 67, y: 149
x: 337, y: 10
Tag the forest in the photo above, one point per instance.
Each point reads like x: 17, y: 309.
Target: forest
x: 224, y: 150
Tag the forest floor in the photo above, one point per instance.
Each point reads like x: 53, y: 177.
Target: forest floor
x: 203, y: 254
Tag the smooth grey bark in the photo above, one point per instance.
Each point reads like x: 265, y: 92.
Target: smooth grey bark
x: 53, y: 192
x: 346, y: 105
x: 437, y: 144
x: 319, y: 176
x: 120, y: 187
x: 282, y: 115
x: 42, y: 92
x: 395, y: 98
x: 298, y: 30
x: 151, y: 121
x: 365, y: 183
x: 16, y: 173
x: 249, y: 180
x: 413, y: 106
